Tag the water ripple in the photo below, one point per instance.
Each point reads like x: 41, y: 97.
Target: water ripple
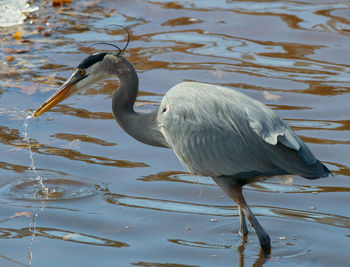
x: 311, y: 16
x: 168, y: 205
x: 224, y: 211
x: 259, y: 58
x: 64, y: 235
x: 199, y: 244
x: 60, y: 187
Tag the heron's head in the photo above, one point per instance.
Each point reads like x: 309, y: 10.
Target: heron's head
x: 91, y: 70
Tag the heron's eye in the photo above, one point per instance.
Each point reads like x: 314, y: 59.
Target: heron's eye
x: 81, y: 72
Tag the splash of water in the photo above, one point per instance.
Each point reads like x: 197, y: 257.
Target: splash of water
x: 33, y: 230
x: 43, y: 190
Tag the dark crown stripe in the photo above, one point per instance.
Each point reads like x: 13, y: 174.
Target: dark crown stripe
x: 90, y: 60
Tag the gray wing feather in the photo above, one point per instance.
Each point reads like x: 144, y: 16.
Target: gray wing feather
x: 217, y: 131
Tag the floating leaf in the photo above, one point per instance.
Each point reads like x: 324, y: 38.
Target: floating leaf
x: 19, y: 51
x: 22, y: 51
x: 40, y: 29
x: 48, y: 33
x: 17, y: 36
x: 56, y: 3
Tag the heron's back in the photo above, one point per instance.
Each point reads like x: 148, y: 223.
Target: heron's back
x: 217, y: 131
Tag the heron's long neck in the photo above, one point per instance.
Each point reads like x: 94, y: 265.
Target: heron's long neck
x: 142, y: 127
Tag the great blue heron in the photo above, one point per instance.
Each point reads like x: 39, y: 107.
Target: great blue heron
x: 213, y: 130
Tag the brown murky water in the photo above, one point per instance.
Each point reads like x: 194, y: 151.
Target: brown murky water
x: 117, y: 202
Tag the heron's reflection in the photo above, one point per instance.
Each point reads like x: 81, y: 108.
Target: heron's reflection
x: 260, y: 261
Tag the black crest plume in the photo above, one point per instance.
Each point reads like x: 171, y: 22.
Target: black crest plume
x: 120, y: 51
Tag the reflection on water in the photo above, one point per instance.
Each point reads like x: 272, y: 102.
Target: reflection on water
x: 159, y: 264
x: 68, y: 236
x: 199, y: 244
x: 135, y: 205
x: 12, y: 137
x: 225, y: 211
x: 249, y: 57
x: 167, y: 205
x: 79, y: 238
x: 179, y: 177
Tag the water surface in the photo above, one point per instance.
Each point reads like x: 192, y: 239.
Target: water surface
x: 117, y: 202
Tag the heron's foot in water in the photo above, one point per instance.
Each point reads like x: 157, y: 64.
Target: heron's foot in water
x: 265, y: 242
x: 243, y: 230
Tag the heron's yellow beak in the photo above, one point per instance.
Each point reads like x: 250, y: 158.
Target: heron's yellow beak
x: 62, y: 93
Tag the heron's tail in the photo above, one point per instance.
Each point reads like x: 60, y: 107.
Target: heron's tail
x: 320, y: 171
x: 300, y: 162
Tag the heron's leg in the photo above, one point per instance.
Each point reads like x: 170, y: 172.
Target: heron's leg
x: 243, y: 226
x: 264, y: 238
